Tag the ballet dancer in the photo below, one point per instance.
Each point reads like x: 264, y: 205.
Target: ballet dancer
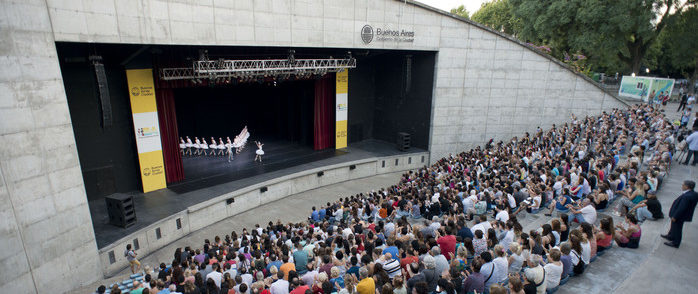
x: 189, y: 145
x: 259, y: 151
x: 197, y: 146
x: 213, y: 146
x: 182, y: 146
x: 229, y: 148
x: 204, y: 146
x: 221, y: 147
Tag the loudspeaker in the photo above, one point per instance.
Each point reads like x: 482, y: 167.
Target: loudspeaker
x: 229, y: 201
x: 103, y: 88
x: 121, y: 210
x: 352, y: 167
x: 320, y: 174
x: 403, y: 141
x: 263, y: 189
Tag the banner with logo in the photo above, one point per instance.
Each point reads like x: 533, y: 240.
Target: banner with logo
x: 145, y: 123
x: 341, y: 109
x: 644, y: 87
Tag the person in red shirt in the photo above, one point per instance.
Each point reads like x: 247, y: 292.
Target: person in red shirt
x: 407, y: 258
x: 447, y: 244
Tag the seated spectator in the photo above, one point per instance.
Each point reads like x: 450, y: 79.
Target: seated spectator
x: 628, y: 235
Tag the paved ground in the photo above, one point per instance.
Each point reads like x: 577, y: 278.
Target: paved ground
x: 652, y: 268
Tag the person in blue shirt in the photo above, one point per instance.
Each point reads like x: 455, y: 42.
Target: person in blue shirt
x: 322, y: 213
x: 561, y: 202
x: 392, y: 249
x: 315, y: 215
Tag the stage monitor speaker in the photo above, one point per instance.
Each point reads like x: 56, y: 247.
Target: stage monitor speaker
x: 121, y: 210
x: 263, y: 189
x: 403, y: 141
x: 230, y: 201
x: 352, y: 167
x: 320, y: 174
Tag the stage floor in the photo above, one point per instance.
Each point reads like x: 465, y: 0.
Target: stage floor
x: 211, y: 177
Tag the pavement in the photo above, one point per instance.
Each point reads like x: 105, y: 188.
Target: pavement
x: 651, y: 268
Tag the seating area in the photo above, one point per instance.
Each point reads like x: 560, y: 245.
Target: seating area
x: 458, y: 224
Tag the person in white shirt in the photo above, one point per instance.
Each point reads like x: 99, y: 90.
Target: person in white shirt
x: 535, y: 274
x: 506, y: 237
x: 280, y: 286
x: 586, y: 214
x: 483, y: 225
x: 501, y: 264
x: 215, y: 275
x: 502, y: 214
x: 553, y: 270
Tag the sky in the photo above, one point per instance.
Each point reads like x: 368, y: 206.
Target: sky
x: 470, y: 5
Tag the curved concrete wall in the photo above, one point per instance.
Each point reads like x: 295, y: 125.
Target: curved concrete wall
x: 487, y: 85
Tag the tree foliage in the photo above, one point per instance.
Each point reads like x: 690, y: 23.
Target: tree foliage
x: 498, y: 16
x: 680, y: 43
x: 606, y: 31
x: 461, y: 11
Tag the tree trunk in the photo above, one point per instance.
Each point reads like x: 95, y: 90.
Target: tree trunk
x: 692, y: 79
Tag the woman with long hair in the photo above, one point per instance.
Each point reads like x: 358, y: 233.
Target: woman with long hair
x: 605, y: 234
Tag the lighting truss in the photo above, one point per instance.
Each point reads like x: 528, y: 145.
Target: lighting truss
x: 222, y: 68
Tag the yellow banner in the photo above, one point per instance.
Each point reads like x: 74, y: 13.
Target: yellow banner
x: 341, y: 108
x: 152, y: 170
x: 141, y: 90
x: 147, y: 128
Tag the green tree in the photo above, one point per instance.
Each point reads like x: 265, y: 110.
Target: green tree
x: 601, y: 29
x: 498, y: 16
x: 680, y: 40
x: 461, y: 11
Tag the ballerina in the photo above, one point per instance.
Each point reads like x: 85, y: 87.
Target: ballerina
x: 182, y: 146
x: 213, y: 146
x: 221, y: 147
x: 259, y: 151
x: 204, y: 146
x: 189, y: 145
x: 197, y: 146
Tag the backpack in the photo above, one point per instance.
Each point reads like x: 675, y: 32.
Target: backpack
x: 579, y: 267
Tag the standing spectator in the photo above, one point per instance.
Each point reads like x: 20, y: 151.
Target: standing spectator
x: 692, y: 141
x: 131, y: 256
x: 681, y: 211
x: 682, y: 103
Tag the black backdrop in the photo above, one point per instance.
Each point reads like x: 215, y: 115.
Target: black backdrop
x: 282, y: 112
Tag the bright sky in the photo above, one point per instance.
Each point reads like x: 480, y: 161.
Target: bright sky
x: 470, y: 5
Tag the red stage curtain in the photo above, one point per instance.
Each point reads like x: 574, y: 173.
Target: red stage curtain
x: 169, y: 137
x: 323, y: 118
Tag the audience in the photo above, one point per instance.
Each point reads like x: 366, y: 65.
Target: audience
x: 455, y: 226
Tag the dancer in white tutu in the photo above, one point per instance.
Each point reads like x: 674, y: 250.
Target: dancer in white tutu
x: 197, y: 146
x: 213, y: 146
x: 221, y: 147
x: 259, y: 151
x: 182, y: 146
x: 189, y: 145
x: 204, y: 146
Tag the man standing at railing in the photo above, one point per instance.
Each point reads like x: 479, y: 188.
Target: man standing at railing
x: 682, y: 103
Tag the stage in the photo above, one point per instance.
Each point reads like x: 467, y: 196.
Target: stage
x: 212, y: 177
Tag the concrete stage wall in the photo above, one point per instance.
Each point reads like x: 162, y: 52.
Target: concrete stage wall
x: 486, y: 85
x: 208, y: 212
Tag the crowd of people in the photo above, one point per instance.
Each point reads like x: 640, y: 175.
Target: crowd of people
x: 454, y: 227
